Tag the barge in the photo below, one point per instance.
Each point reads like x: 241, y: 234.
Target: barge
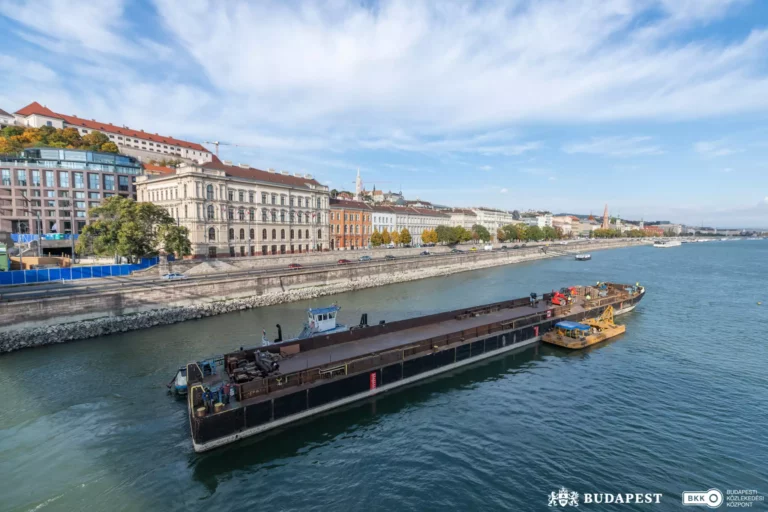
x: 240, y: 394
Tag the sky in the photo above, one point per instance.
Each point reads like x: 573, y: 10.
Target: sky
x: 657, y: 108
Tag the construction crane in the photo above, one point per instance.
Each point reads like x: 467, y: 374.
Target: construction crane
x: 217, y: 144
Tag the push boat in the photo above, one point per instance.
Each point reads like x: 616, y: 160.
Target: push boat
x: 248, y: 392
x: 583, y: 257
x: 577, y: 335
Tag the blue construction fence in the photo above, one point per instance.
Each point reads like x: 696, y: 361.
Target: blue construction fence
x: 68, y: 274
x: 50, y: 236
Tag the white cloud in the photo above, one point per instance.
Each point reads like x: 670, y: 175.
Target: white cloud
x: 615, y: 146
x: 714, y: 148
x: 485, y: 167
x: 551, y: 178
x: 728, y: 169
x: 503, y: 191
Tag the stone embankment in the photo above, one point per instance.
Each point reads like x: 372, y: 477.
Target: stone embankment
x: 161, y: 314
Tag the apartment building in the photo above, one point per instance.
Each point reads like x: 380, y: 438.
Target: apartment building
x: 49, y: 190
x: 351, y: 224
x: 138, y: 143
x: 236, y: 210
x: 463, y: 217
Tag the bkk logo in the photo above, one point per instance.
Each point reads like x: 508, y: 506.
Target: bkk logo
x: 712, y: 498
x: 567, y: 498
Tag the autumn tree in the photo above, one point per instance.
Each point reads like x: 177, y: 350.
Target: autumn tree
x: 385, y: 237
x: 501, y: 235
x: 482, y: 233
x: 376, y: 238
x: 405, y: 236
x: 395, y: 237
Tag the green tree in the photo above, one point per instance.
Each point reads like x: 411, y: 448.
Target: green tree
x: 405, y: 236
x: 445, y: 235
x: 548, y: 232
x: 109, y: 147
x: 93, y: 140
x: 123, y: 227
x: 376, y: 238
x: 481, y: 232
x: 461, y: 234
x: 11, y: 131
x: 175, y: 239
x: 534, y: 233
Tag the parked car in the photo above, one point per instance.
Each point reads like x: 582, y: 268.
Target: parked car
x: 488, y: 247
x: 294, y: 266
x: 457, y: 251
x: 524, y: 245
x: 516, y: 246
x: 173, y: 276
x: 424, y: 253
x: 363, y: 259
x: 428, y: 245
x: 389, y: 257
x: 406, y: 245
x: 343, y: 262
x: 390, y: 245
x: 474, y: 249
x: 504, y: 247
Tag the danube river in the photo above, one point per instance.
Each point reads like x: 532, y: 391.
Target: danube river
x: 678, y: 403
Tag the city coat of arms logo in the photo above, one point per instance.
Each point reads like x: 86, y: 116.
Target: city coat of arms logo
x: 564, y: 498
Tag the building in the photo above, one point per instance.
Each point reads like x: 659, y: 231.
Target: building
x: 236, y: 210
x: 377, y: 196
x: 463, y: 217
x: 154, y: 170
x: 653, y: 230
x: 5, y: 118
x: 351, y: 224
x: 384, y: 218
x: 49, y: 190
x: 564, y: 223
x: 394, y: 197
x: 138, y: 143
x: 541, y: 221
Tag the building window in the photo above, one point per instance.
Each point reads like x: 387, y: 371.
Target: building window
x: 307, y: 234
x: 123, y: 184
x: 211, y: 234
x: 319, y: 234
x: 274, y: 216
x: 241, y: 214
x: 231, y: 214
x: 251, y: 235
x: 64, y: 179
x: 282, y: 216
x: 299, y: 234
x: 242, y: 234
x: 109, y: 182
x: 264, y: 197
x: 231, y: 195
x: 264, y: 215
x: 292, y: 234
x: 274, y: 234
x: 7, y: 178
x: 274, y: 198
x: 185, y: 211
x: 185, y: 191
x: 282, y: 200
x: 21, y: 177
x: 299, y: 217
x: 231, y: 234
x: 210, y: 212
x: 291, y: 216
x: 251, y: 214
x: 263, y: 234
x: 292, y: 200
x: 282, y: 234
x: 250, y: 197
x: 209, y: 192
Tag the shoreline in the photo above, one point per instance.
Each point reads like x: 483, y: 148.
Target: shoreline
x: 30, y: 337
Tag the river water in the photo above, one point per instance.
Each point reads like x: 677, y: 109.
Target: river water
x: 679, y: 403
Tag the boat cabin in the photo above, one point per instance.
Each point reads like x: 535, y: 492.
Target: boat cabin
x: 572, y: 329
x: 322, y: 319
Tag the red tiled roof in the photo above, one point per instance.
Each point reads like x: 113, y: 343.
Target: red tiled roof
x: 257, y: 174
x: 158, y: 169
x: 408, y: 209
x: 464, y: 211
x: 350, y: 205
x: 36, y: 108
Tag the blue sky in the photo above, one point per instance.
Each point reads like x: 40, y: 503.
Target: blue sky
x: 656, y: 107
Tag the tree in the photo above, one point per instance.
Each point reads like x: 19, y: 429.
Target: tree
x: 405, y: 236
x: 481, y: 232
x: 175, y: 239
x: 501, y: 235
x: 548, y: 232
x: 533, y: 233
x: 385, y: 237
x: 94, y: 140
x: 429, y: 236
x: 11, y: 131
x: 376, y: 238
x: 445, y: 235
x: 109, y: 147
x: 334, y: 193
x: 123, y: 227
x: 395, y: 238
x: 9, y: 146
x: 460, y: 234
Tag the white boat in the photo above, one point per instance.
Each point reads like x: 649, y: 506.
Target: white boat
x: 583, y: 257
x: 666, y: 243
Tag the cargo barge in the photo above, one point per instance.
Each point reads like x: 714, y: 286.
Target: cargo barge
x: 244, y: 393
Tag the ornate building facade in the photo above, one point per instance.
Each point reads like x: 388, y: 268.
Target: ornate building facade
x: 236, y: 210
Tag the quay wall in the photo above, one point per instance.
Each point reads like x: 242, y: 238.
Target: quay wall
x: 66, y: 318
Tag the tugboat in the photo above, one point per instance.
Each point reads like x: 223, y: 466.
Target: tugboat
x: 578, y: 335
x: 583, y: 257
x: 664, y: 244
x: 319, y: 321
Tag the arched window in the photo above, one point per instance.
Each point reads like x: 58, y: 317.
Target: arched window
x: 263, y: 234
x: 209, y: 192
x: 242, y: 234
x: 264, y: 215
x: 282, y: 234
x: 299, y: 234
x: 210, y: 211
x: 282, y: 216
x: 231, y: 234
x: 241, y: 214
x: 292, y: 234
x: 319, y: 234
x: 307, y: 234
x: 274, y: 234
x: 211, y: 234
x: 252, y: 234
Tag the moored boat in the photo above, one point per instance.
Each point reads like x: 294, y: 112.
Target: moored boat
x: 663, y: 244
x: 583, y: 257
x: 577, y: 335
x: 248, y: 393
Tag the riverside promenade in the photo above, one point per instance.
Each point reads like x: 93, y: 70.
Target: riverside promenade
x: 131, y: 306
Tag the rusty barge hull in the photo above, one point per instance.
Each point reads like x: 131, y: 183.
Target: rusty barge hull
x: 331, y: 371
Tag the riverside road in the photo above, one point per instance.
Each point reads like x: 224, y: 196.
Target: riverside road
x: 33, y: 291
